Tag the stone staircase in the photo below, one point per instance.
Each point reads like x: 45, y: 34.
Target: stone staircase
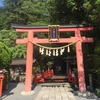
x: 57, y: 78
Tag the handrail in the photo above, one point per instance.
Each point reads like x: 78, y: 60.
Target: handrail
x: 41, y: 78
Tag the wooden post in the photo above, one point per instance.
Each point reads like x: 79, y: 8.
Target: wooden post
x: 29, y: 59
x: 1, y: 85
x: 80, y: 66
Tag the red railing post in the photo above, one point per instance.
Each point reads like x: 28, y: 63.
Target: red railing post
x: 1, y: 81
x: 70, y: 76
x: 75, y: 80
x: 52, y: 72
x: 42, y: 78
x: 48, y: 72
x: 35, y: 79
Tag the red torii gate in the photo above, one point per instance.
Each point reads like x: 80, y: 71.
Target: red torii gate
x: 62, y: 28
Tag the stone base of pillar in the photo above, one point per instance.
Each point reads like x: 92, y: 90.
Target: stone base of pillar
x: 27, y: 93
x: 83, y: 94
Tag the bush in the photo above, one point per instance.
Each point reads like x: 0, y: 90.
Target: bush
x: 98, y: 93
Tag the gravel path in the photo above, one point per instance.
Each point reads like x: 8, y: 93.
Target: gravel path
x: 15, y: 89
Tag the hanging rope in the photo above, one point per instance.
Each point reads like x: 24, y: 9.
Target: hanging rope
x: 53, y: 48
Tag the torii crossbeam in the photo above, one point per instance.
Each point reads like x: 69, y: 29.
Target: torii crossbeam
x: 62, y: 28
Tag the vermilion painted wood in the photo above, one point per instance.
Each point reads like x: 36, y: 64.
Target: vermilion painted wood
x: 80, y: 65
x: 29, y: 59
x: 60, y: 30
x: 30, y: 45
x: 61, y: 40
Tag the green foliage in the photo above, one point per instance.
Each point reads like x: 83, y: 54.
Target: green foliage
x: 19, y: 51
x: 49, y: 64
x: 98, y: 93
x: 37, y: 69
x: 5, y: 56
x: 31, y: 12
x: 9, y: 37
x: 73, y: 11
x: 66, y: 11
x: 75, y: 71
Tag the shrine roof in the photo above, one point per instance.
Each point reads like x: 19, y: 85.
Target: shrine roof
x: 20, y: 62
x: 42, y: 27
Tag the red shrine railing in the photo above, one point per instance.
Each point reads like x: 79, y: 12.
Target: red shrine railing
x: 39, y: 78
x: 72, y: 78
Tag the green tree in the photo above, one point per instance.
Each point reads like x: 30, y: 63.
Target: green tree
x: 9, y: 37
x: 31, y: 12
x: 5, y: 56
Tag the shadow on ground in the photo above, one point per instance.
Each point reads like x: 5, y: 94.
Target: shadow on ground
x: 7, y: 92
x: 14, y: 92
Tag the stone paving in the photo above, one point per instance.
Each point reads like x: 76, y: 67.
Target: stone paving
x: 55, y: 93
x: 42, y: 92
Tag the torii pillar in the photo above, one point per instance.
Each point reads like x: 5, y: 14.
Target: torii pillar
x: 29, y: 60
x: 80, y: 65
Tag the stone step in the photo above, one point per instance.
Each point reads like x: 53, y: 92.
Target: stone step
x: 57, y: 79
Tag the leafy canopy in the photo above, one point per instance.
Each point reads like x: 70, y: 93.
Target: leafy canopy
x: 5, y: 56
